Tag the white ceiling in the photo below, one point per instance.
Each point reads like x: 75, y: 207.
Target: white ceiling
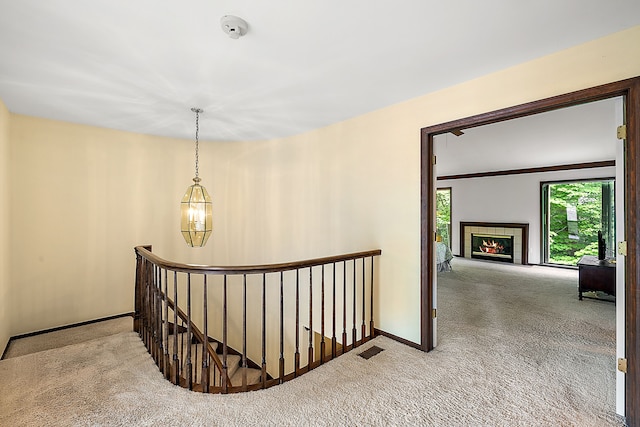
x: 579, y: 134
x: 140, y: 65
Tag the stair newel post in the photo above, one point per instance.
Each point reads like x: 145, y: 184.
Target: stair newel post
x: 165, y: 326
x: 225, y: 370
x: 354, y: 332
x: 264, y: 330
x: 322, y: 345
x: 297, y: 353
x: 371, y: 325
x: 310, y: 350
x: 344, y: 306
x: 138, y: 318
x: 189, y: 337
x: 333, y: 336
x: 281, y: 365
x: 205, y: 352
x: 364, y: 304
x: 176, y: 359
x: 244, y: 332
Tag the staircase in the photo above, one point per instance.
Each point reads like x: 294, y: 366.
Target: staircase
x: 293, y: 316
x: 238, y: 375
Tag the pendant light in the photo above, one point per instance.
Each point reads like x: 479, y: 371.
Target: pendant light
x: 196, y: 208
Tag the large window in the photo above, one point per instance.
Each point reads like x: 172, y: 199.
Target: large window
x: 572, y: 215
x: 443, y: 215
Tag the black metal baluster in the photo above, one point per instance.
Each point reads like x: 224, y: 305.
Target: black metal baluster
x: 206, y: 375
x: 165, y: 300
x: 354, y: 330
x: 297, y: 353
x: 371, y: 325
x: 176, y: 359
x: 322, y: 344
x: 333, y: 337
x: 153, y: 300
x: 281, y: 364
x: 244, y: 332
x: 264, y: 330
x: 189, y: 335
x: 364, y: 304
x: 225, y: 370
x: 154, y: 313
x: 310, y: 351
x: 344, y: 306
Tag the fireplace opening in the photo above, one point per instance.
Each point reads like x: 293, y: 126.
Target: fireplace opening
x: 492, y: 247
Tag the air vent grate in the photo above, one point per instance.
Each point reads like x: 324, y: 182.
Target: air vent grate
x: 370, y: 352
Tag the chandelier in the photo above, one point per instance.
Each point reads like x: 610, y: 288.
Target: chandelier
x: 196, y: 210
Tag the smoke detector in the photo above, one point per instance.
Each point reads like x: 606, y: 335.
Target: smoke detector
x: 235, y: 27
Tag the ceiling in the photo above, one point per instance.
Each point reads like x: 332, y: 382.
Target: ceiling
x: 141, y: 65
x: 579, y: 134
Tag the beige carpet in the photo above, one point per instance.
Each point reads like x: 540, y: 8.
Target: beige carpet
x: 68, y: 336
x: 523, y: 353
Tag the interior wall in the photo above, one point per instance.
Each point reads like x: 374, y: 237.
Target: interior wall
x: 511, y: 198
x: 5, y: 244
x: 83, y: 197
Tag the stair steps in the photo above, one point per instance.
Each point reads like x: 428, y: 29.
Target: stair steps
x: 253, y: 376
x: 234, y: 370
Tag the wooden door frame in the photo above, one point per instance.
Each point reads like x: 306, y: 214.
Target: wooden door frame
x: 630, y: 89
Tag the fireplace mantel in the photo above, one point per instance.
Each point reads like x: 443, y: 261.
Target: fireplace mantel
x: 520, y: 231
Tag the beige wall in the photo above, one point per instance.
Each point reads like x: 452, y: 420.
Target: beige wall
x: 355, y: 185
x: 5, y: 276
x: 82, y: 197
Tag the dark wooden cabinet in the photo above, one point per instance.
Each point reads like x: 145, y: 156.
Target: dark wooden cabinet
x: 596, y: 275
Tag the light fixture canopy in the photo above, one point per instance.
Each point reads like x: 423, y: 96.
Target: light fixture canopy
x: 196, y: 209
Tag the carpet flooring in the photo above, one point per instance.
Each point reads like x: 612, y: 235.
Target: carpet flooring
x: 516, y: 348
x: 68, y: 336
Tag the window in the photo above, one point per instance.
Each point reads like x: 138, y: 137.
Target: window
x: 572, y: 215
x: 443, y: 215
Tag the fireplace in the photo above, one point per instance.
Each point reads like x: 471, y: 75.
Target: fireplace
x: 517, y: 233
x: 492, y: 247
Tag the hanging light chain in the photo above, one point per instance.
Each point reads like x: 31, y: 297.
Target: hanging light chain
x: 197, y: 111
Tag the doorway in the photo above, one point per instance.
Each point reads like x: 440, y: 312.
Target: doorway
x: 630, y: 90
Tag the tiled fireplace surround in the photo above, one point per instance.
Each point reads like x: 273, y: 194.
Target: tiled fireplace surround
x: 519, y: 231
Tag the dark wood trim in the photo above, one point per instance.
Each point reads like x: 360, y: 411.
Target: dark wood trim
x: 630, y: 90
x: 397, y: 338
x: 524, y: 255
x: 427, y: 232
x: 632, y: 266
x: 573, y: 166
x: 60, y: 328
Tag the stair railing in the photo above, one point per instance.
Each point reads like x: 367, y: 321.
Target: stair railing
x: 223, y: 319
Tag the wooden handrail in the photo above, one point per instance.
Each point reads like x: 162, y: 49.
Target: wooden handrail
x: 250, y: 269
x: 199, y: 335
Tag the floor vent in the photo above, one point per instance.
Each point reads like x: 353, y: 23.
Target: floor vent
x: 370, y: 352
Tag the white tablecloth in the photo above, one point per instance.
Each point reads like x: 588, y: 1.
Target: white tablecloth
x: 443, y: 257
